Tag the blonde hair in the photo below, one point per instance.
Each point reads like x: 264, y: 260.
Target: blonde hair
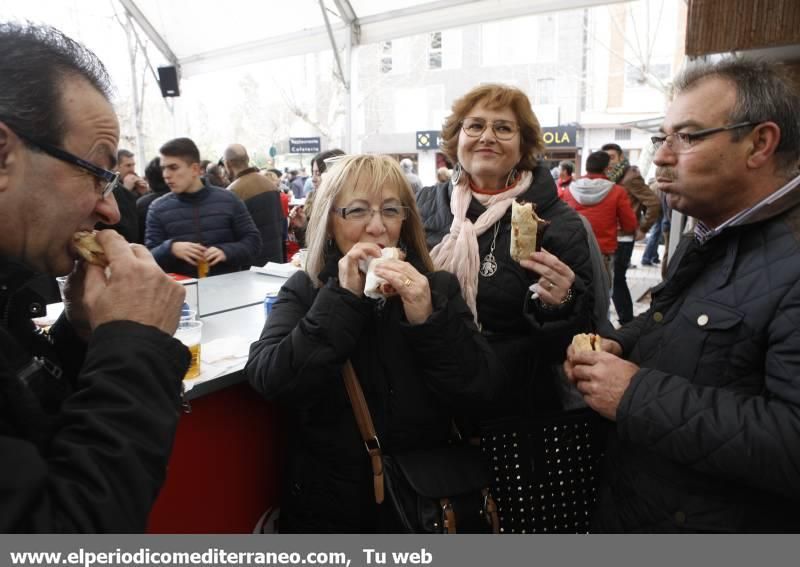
x: 350, y: 173
x: 496, y: 96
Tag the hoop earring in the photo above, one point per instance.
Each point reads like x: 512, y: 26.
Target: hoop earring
x: 458, y: 171
x: 512, y: 175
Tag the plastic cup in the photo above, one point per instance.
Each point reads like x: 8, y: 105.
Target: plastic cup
x: 190, y: 333
x: 62, y: 284
x: 202, y: 268
x: 300, y: 257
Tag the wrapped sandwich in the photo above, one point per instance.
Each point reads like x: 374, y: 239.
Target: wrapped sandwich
x: 375, y: 287
x: 587, y: 342
x: 86, y: 244
x: 526, y: 230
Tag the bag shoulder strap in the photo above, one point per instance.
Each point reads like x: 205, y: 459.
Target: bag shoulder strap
x: 365, y: 426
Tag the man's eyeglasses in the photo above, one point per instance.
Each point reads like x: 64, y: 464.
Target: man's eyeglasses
x: 108, y: 179
x: 389, y: 214
x: 503, y: 129
x: 682, y: 142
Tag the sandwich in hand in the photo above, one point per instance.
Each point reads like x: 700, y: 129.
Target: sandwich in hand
x: 587, y: 342
x: 526, y: 230
x: 90, y: 250
x: 375, y: 287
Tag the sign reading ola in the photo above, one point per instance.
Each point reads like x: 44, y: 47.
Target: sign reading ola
x: 560, y: 137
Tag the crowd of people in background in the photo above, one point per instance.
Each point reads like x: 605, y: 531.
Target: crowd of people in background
x: 699, y: 396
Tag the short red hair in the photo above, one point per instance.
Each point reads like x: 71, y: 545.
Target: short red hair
x: 496, y: 96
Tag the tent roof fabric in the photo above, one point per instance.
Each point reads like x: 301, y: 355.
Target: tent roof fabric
x: 204, y: 35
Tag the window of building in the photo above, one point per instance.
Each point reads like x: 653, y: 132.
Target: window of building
x: 546, y: 38
x: 435, y: 50
x: 521, y: 41
x: 622, y: 134
x: 386, y: 56
x: 452, y: 49
x: 545, y: 91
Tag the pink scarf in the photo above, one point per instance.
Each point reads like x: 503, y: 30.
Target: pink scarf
x: 458, y: 251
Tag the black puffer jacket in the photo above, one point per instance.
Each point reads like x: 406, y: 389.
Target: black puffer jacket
x: 527, y: 339
x: 415, y: 379
x: 211, y: 216
x: 708, y: 432
x: 84, y: 440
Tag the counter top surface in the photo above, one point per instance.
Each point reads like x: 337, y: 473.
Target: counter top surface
x: 232, y: 310
x: 239, y: 327
x: 218, y: 294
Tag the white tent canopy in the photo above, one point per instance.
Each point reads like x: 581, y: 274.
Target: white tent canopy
x: 201, y: 36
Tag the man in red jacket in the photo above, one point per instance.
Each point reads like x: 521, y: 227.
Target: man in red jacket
x: 604, y: 204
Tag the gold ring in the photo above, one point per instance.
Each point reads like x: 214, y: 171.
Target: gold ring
x: 407, y: 282
x: 551, y: 286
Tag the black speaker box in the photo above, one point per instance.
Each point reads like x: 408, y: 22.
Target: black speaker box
x: 168, y: 81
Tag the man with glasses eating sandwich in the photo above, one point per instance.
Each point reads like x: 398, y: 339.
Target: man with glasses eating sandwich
x: 705, y: 386
x: 88, y: 410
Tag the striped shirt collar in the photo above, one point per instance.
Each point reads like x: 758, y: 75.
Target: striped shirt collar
x: 703, y: 233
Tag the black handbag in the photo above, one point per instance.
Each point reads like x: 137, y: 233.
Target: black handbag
x: 441, y: 490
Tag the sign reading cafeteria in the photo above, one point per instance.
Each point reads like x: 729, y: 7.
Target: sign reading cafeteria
x: 304, y: 145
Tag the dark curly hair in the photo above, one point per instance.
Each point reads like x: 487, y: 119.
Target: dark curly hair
x: 34, y: 63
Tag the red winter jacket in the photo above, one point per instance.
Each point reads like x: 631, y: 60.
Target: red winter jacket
x: 605, y: 205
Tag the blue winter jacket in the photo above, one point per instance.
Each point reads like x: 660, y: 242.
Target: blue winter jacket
x: 211, y: 216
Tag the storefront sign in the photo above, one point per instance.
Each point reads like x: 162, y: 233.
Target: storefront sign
x: 560, y: 137
x: 304, y: 145
x: 428, y: 139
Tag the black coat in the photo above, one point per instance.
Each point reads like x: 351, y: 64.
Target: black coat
x: 527, y: 339
x: 128, y: 225
x: 143, y: 205
x: 708, y: 432
x: 86, y: 451
x: 267, y: 213
x: 415, y: 379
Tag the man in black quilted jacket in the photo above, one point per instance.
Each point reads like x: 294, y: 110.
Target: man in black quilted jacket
x: 88, y: 410
x: 705, y: 386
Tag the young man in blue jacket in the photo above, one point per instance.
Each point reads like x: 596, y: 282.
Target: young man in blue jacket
x: 198, y: 229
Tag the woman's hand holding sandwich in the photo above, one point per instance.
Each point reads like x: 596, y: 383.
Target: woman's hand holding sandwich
x: 412, y: 287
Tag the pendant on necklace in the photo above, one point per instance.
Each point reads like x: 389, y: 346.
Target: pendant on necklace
x: 488, y: 266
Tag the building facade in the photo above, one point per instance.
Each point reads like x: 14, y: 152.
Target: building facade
x: 601, y: 73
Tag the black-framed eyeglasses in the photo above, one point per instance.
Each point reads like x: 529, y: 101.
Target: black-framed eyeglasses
x: 682, y: 142
x: 389, y: 213
x: 503, y: 129
x: 109, y: 177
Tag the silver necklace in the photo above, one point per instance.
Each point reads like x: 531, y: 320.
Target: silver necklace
x: 489, y: 264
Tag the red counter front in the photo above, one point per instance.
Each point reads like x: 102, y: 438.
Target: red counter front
x: 224, y: 468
